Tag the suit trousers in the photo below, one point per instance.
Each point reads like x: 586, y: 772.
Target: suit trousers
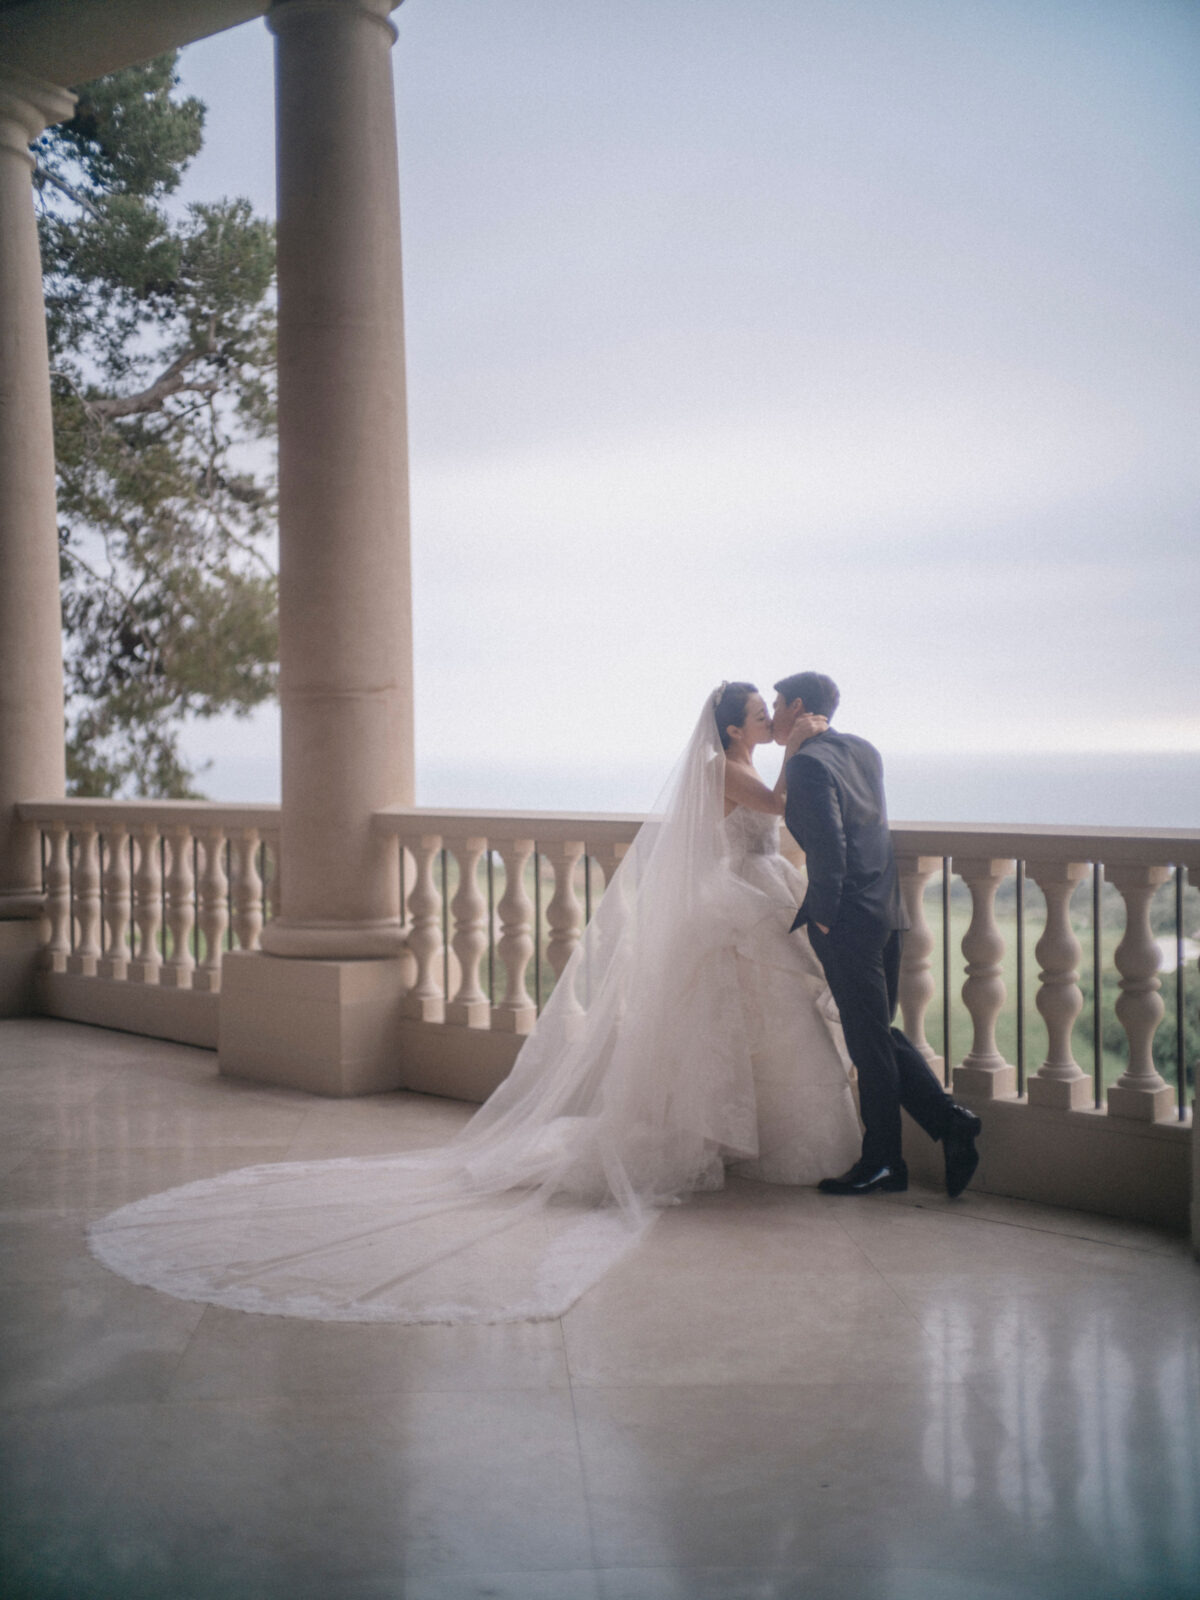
x: 862, y: 968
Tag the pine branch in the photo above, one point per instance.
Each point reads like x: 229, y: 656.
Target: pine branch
x: 173, y: 380
x: 44, y: 175
x: 126, y: 601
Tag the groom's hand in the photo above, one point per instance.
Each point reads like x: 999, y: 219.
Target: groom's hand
x: 805, y: 727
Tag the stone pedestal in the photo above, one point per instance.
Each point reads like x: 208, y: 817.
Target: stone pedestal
x: 20, y: 947
x: 327, y: 1027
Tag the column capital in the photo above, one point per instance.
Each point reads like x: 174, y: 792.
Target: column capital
x: 28, y: 105
x: 285, y: 12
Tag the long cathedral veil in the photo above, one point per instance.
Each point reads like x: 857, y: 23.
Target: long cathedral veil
x: 633, y: 1089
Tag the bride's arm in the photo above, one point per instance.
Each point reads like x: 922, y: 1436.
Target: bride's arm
x: 805, y: 728
x: 744, y: 787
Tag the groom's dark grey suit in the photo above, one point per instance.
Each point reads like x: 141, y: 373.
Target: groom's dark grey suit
x: 838, y: 816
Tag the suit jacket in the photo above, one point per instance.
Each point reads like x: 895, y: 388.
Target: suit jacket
x: 837, y: 814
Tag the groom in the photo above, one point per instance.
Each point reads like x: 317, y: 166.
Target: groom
x: 838, y: 816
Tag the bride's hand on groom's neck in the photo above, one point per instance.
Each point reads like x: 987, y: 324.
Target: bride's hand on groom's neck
x: 805, y: 727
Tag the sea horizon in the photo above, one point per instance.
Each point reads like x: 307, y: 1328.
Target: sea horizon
x: 1098, y: 789
x: 1160, y: 790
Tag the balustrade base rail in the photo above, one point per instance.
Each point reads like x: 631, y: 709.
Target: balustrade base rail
x: 145, y: 899
x: 185, y: 1016
x: 442, y: 1061
x: 1084, y: 1160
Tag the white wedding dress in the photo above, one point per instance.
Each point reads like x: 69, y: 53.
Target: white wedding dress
x: 689, y: 1033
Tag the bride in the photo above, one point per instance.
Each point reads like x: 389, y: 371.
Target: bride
x: 689, y: 1033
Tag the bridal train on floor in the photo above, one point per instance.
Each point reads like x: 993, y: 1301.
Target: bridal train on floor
x: 689, y: 1034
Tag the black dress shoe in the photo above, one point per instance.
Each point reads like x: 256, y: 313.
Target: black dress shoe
x: 958, y: 1145
x: 865, y: 1177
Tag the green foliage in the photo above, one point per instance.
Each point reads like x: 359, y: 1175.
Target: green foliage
x: 162, y: 353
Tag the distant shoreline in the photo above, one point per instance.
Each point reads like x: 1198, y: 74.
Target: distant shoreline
x: 1153, y: 791
x: 1157, y: 790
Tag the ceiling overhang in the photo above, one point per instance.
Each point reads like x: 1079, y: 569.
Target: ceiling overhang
x: 69, y: 42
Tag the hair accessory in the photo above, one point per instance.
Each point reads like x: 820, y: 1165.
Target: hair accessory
x: 717, y: 693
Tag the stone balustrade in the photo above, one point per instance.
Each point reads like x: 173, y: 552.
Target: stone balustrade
x: 1059, y: 860
x: 494, y: 904
x: 154, y: 892
x: 144, y: 893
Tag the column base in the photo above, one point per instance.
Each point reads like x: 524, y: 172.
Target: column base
x: 986, y: 1082
x: 1061, y: 1094
x: 333, y: 941
x: 21, y: 905
x: 20, y: 950
x: 327, y: 1027
x: 1145, y: 1105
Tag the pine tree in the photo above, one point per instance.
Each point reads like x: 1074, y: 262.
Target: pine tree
x: 162, y: 355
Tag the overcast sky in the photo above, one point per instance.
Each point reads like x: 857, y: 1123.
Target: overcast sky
x: 750, y: 337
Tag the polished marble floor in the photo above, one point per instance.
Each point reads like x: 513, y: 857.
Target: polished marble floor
x: 783, y: 1394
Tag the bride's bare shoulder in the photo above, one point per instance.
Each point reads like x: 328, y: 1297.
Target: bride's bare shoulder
x: 744, y: 787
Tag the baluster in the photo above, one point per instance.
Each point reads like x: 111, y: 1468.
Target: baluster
x: 58, y: 897
x: 1140, y: 1090
x: 516, y: 1012
x: 1060, y: 1081
x: 609, y: 857
x: 87, y: 901
x: 214, y: 910
x: 564, y: 914
x: 425, y: 999
x: 147, y: 906
x: 984, y: 1073
x: 916, y: 970
x: 181, y: 913
x: 247, y: 890
x: 470, y: 1006
x: 115, y: 962
x: 273, y: 875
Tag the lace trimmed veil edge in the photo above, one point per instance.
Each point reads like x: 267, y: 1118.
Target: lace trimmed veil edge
x: 633, y: 1088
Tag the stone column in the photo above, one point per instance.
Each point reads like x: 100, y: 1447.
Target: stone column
x: 31, y: 686
x: 345, y: 605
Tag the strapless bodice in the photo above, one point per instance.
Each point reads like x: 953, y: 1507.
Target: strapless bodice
x: 752, y: 833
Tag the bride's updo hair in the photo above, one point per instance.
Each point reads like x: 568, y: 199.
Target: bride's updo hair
x: 729, y: 707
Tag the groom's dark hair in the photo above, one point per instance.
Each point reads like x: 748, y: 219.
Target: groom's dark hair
x: 819, y: 693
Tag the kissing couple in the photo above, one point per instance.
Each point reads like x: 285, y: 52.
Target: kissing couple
x: 710, y: 1020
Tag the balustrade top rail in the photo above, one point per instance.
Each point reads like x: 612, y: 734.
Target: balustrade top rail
x: 1027, y: 841
x: 176, y: 813
x: 1024, y: 841
x: 552, y: 827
